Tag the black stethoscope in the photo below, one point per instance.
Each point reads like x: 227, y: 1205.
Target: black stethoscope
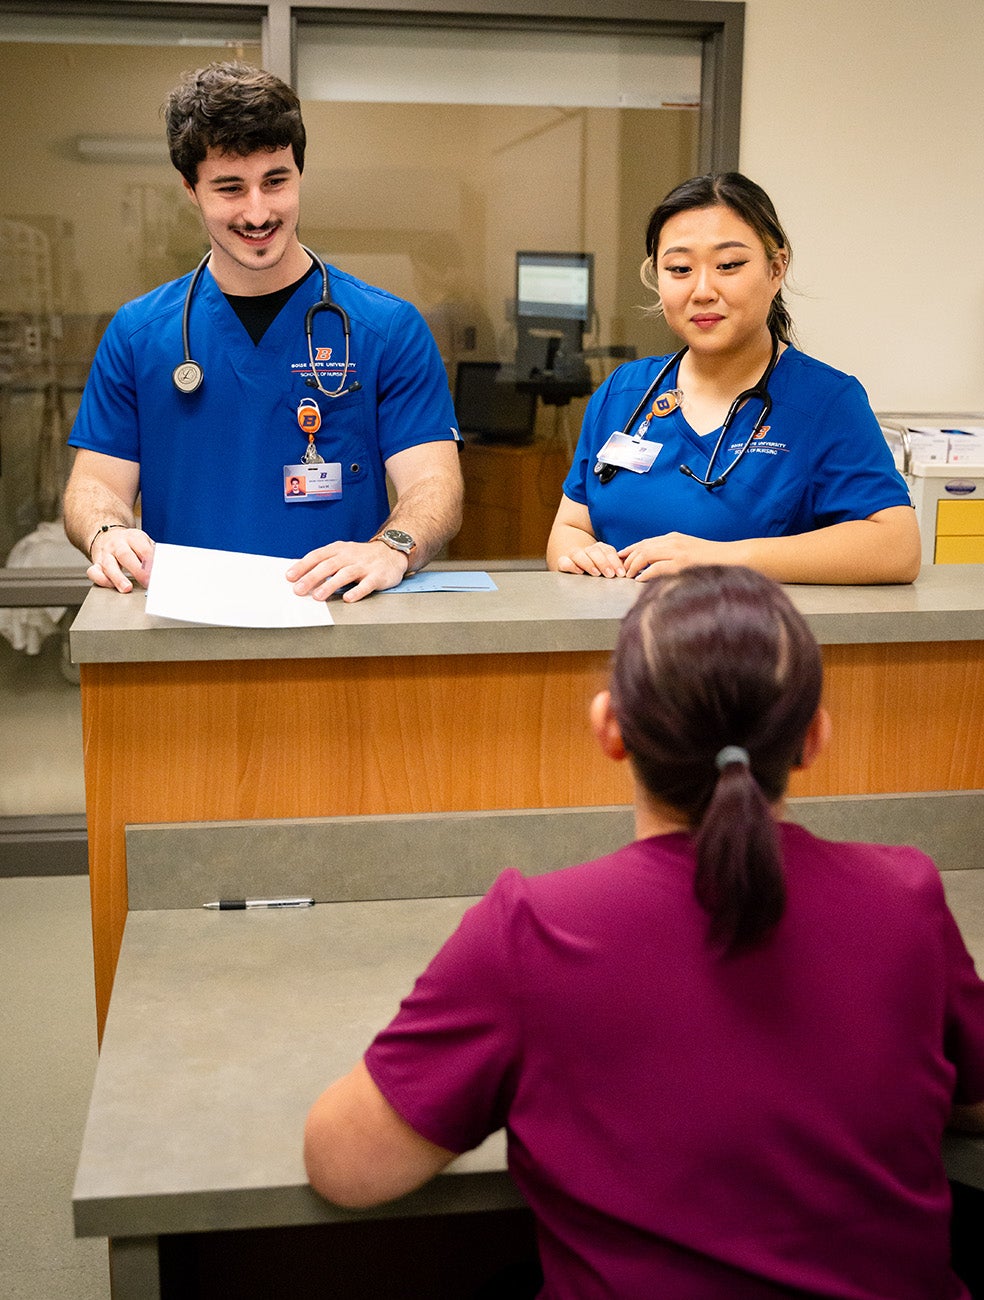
x: 758, y: 392
x: 188, y: 375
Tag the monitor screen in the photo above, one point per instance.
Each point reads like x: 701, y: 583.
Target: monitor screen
x: 554, y: 285
x: 490, y: 407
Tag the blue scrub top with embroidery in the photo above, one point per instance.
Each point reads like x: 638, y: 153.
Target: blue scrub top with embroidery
x: 212, y: 462
x: 820, y: 459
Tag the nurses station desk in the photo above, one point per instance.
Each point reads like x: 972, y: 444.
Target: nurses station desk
x: 411, y: 707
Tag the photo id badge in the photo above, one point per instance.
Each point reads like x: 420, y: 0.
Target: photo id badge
x: 312, y: 482
x: 635, y: 454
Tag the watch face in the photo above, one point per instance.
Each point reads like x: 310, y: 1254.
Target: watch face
x: 399, y: 538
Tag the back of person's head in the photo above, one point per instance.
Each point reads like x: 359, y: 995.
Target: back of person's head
x: 749, y: 202
x: 711, y: 660
x: 235, y: 109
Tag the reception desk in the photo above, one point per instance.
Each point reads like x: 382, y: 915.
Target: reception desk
x: 454, y: 702
x: 388, y: 765
x: 225, y: 1026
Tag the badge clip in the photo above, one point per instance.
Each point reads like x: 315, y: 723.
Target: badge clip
x: 309, y: 420
x: 667, y: 402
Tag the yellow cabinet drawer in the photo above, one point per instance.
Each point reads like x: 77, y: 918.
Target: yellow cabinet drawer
x: 960, y: 550
x: 959, y: 518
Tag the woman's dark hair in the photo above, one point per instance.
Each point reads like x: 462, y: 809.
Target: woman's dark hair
x: 713, y: 657
x: 748, y: 201
x: 234, y: 108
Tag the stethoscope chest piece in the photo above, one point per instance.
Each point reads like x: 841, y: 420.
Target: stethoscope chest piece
x: 188, y: 376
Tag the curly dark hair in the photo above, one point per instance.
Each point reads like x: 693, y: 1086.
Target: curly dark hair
x: 232, y: 107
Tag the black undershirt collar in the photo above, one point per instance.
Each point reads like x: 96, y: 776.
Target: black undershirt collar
x: 258, y: 311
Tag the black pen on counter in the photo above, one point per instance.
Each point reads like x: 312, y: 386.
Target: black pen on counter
x: 240, y: 904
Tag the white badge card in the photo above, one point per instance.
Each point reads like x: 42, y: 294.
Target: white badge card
x: 312, y: 482
x: 635, y: 454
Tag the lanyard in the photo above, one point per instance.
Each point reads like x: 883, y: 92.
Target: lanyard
x: 759, y: 391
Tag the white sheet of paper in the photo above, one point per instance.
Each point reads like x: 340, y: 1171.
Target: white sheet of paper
x: 228, y: 589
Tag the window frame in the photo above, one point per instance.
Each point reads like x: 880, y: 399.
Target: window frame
x: 58, y: 844
x: 718, y: 24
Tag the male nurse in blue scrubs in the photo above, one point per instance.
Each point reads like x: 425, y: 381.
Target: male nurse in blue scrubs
x: 228, y: 369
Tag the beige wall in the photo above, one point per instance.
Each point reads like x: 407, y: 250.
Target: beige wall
x: 865, y: 124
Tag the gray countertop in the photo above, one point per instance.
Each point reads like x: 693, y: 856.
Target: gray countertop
x: 531, y: 611
x: 224, y: 1027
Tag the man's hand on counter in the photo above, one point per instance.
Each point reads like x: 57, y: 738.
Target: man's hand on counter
x: 362, y: 567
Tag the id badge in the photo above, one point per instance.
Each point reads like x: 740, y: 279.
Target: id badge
x: 636, y: 454
x: 312, y: 482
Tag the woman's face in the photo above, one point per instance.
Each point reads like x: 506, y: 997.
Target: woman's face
x: 716, y: 281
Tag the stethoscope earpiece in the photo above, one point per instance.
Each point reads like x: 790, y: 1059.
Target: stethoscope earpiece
x: 353, y: 387
x: 714, y: 482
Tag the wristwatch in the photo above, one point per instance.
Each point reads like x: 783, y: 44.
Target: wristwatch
x: 398, y: 540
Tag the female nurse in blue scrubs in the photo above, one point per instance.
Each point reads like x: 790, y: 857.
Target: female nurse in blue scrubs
x: 739, y: 449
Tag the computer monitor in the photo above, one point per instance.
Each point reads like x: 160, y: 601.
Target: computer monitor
x: 554, y: 285
x: 490, y: 407
x: 553, y: 309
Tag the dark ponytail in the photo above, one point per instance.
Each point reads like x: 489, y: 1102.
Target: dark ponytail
x: 715, y: 680
x: 739, y: 880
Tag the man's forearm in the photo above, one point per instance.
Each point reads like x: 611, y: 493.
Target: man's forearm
x: 101, y: 491
x: 430, y: 511
x: 89, y: 505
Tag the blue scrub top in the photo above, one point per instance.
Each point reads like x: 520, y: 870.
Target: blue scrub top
x: 212, y: 462
x: 820, y: 459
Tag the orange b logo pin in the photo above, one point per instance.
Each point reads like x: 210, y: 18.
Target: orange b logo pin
x: 309, y: 416
x: 666, y: 402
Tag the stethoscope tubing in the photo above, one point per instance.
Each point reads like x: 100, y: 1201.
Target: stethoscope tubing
x: 194, y: 371
x: 653, y: 388
x: 607, y: 472
x: 327, y: 304
x: 186, y: 309
x: 759, y: 391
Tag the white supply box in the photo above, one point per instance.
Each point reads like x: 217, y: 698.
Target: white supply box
x: 942, y: 459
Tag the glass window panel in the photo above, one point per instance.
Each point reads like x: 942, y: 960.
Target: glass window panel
x: 478, y: 66
x: 81, y: 29
x: 92, y: 213
x: 425, y: 190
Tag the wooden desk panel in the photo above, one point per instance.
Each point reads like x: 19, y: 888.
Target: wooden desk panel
x: 906, y: 717
x: 303, y: 738
x: 511, y: 498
